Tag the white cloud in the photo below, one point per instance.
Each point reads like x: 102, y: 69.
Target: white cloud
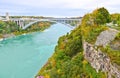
x: 88, y: 5
x: 65, y: 3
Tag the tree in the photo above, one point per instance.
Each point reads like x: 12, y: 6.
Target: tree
x: 101, y: 16
x: 97, y: 17
x: 115, y: 18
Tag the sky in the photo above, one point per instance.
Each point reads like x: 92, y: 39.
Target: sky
x: 56, y: 8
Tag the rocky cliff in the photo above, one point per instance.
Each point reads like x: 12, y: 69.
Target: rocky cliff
x: 92, y: 50
x: 99, y: 60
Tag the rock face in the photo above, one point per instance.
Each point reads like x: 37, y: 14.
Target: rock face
x: 99, y: 60
x: 105, y: 37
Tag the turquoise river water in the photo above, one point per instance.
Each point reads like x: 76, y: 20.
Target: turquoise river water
x: 22, y: 56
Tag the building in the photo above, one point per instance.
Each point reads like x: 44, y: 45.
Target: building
x: 7, y: 16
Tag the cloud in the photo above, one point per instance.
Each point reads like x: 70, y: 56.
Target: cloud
x: 61, y: 6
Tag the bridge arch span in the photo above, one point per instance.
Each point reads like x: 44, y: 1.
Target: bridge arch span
x: 31, y: 23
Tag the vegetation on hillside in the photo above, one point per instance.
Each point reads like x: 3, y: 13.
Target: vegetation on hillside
x: 9, y: 27
x: 113, y: 50
x: 115, y: 18
x: 68, y: 60
x: 92, y: 24
x: 98, y: 17
x: 116, y: 21
x: 101, y: 16
x: 40, y: 26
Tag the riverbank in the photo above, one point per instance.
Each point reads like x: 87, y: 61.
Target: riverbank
x: 41, y: 26
x: 22, y: 56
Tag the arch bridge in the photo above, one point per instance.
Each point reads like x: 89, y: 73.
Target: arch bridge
x: 24, y: 23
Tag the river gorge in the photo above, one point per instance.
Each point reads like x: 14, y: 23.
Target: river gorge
x: 22, y: 56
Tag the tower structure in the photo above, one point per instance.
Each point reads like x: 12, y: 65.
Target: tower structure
x: 7, y: 16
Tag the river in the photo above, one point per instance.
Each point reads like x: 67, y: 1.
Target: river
x: 22, y: 56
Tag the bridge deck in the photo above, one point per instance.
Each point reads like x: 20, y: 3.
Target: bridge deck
x: 59, y: 20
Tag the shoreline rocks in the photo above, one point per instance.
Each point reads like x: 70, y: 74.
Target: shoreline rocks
x: 7, y: 36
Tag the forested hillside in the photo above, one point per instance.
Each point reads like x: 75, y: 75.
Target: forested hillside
x: 78, y: 53
x: 9, y: 28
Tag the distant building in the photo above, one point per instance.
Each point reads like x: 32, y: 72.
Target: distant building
x: 7, y: 16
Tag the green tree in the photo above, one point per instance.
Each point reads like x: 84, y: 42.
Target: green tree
x: 115, y: 18
x: 101, y: 16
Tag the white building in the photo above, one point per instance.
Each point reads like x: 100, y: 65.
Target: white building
x: 7, y: 16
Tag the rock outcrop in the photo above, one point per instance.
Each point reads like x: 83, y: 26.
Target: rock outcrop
x: 105, y: 37
x: 99, y: 60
